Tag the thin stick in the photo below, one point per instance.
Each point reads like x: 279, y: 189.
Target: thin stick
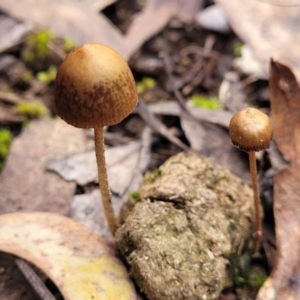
x: 103, y: 182
x: 257, y: 207
x: 34, y: 280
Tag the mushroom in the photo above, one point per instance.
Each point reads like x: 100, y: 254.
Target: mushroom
x: 251, y: 130
x: 94, y: 87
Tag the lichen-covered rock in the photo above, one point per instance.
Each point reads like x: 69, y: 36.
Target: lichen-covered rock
x: 187, y: 230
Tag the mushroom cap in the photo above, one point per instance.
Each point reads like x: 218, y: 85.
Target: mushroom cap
x: 94, y: 87
x: 250, y: 130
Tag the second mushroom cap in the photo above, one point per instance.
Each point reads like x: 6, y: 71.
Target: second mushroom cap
x: 250, y: 130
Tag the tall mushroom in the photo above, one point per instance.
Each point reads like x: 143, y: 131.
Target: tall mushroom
x: 251, y: 130
x: 94, y: 87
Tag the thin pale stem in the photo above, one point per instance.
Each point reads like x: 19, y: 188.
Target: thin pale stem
x: 103, y: 182
x: 257, y: 207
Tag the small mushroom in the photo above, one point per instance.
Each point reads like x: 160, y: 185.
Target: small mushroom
x: 251, y: 130
x: 94, y: 87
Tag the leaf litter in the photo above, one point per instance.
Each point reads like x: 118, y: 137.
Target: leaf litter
x: 187, y: 84
x: 285, y: 106
x: 79, y: 263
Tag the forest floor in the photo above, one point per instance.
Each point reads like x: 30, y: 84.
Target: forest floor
x: 193, y: 71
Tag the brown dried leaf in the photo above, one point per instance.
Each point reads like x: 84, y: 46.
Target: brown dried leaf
x: 81, y: 21
x: 208, y: 137
x: 24, y: 183
x: 78, y: 262
x: 78, y: 20
x: 81, y: 167
x: 215, y: 144
x: 153, y: 18
x: 269, y: 29
x: 158, y: 125
x: 284, y: 282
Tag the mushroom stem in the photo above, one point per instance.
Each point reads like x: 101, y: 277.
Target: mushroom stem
x: 257, y: 207
x: 103, y: 182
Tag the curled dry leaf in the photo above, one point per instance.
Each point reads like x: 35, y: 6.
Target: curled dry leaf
x: 268, y: 28
x: 284, y: 282
x: 68, y: 253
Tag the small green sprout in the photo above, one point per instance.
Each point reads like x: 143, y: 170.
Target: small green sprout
x: 38, y: 46
x: 237, y: 48
x: 257, y: 280
x: 69, y: 44
x: 47, y: 76
x: 135, y: 196
x: 5, y: 140
x: 151, y: 176
x: 145, y: 84
x: 249, y: 274
x: 157, y: 172
x: 210, y: 103
x: 31, y: 110
x: 27, y: 76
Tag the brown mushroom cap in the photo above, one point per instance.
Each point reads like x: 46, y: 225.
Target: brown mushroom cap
x: 94, y: 87
x: 250, y: 130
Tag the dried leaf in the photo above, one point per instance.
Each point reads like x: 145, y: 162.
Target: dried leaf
x: 78, y: 20
x: 11, y: 32
x: 81, y: 21
x: 126, y: 165
x: 144, y: 26
x: 213, y: 18
x: 215, y: 144
x: 193, y: 131
x: 269, y: 29
x: 284, y: 282
x: 157, y: 125
x: 24, y: 183
x: 68, y: 253
x: 172, y: 108
x: 208, y: 139
x: 82, y: 167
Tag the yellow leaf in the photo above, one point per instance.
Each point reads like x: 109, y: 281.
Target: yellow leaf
x: 75, y: 259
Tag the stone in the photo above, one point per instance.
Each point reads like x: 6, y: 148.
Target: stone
x: 184, y: 232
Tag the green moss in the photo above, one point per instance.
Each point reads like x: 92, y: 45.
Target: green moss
x: 69, y: 44
x: 38, y: 46
x: 151, y: 176
x: 237, y: 48
x: 135, y: 196
x: 31, y: 110
x: 210, y: 103
x: 47, y: 76
x: 222, y: 178
x: 27, y: 76
x: 158, y: 172
x: 145, y: 84
x: 257, y: 280
x: 250, y: 274
x: 5, y: 140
